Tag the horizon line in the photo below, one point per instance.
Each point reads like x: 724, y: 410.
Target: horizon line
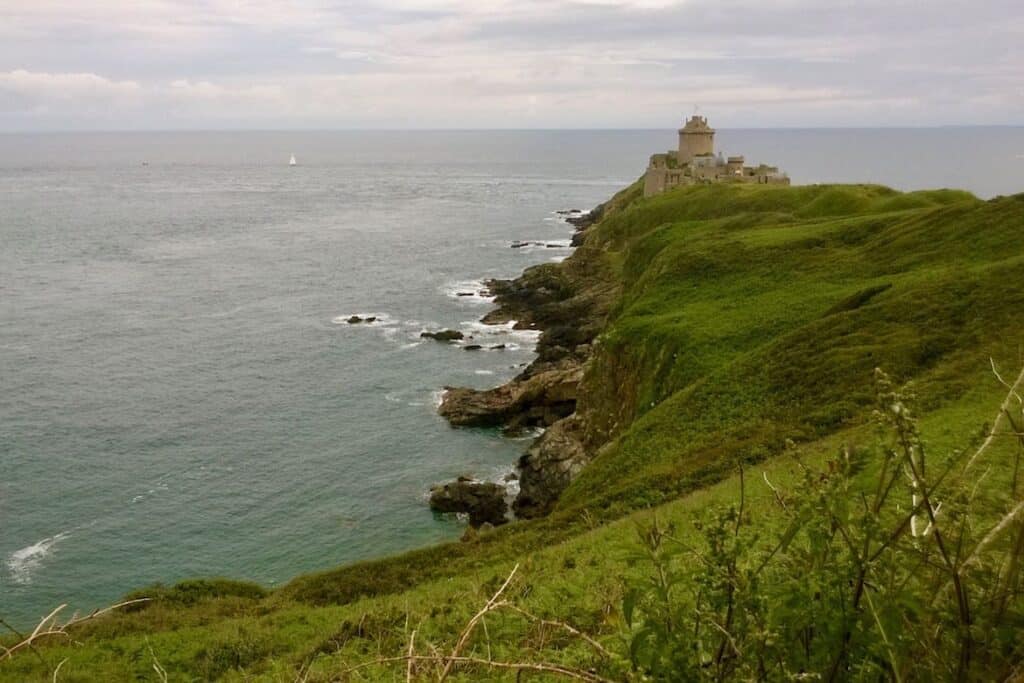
x: 61, y: 131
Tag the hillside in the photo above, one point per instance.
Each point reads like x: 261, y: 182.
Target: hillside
x: 736, y: 324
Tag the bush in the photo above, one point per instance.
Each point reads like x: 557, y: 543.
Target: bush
x: 193, y: 591
x: 907, y: 578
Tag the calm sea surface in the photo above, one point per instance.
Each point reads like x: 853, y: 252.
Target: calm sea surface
x: 179, y: 394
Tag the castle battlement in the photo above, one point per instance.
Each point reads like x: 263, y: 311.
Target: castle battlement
x: 695, y: 162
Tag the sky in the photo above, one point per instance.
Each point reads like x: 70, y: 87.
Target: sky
x: 224, y: 64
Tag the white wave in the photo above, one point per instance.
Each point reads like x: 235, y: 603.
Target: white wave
x: 535, y: 246
x: 477, y: 328
x: 483, y: 372
x: 529, y: 434
x: 437, y: 397
x: 470, y: 291
x: 22, y: 563
x: 411, y: 345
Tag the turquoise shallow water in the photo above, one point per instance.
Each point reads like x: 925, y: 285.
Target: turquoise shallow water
x: 179, y: 396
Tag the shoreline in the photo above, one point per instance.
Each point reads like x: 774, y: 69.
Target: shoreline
x: 543, y: 396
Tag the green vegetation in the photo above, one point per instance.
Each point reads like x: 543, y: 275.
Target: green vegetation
x: 890, y: 568
x: 747, y: 324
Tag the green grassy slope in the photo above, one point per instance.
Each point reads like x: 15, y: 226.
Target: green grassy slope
x: 753, y: 315
x: 746, y: 316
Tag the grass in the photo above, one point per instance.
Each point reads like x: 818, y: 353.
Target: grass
x: 744, y: 317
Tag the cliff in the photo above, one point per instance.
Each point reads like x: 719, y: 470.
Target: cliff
x: 714, y: 324
x: 690, y: 333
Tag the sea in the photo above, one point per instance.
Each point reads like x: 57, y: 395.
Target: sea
x: 180, y: 392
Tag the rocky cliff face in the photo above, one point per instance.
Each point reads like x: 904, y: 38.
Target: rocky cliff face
x: 570, y: 302
x: 538, y: 399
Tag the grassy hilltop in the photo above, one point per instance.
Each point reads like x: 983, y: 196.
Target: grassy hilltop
x: 739, y: 356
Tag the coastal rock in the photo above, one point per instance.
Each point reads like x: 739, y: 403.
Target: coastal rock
x: 483, y: 501
x: 370, y: 319
x: 541, y: 399
x: 582, y: 222
x: 472, y: 347
x: 549, y: 466
x: 354, y: 320
x: 443, y: 335
x: 498, y: 347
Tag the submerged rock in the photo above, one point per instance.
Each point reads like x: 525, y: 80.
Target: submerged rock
x: 355, y: 319
x: 371, y: 319
x: 483, y: 501
x: 443, y: 335
x: 472, y: 347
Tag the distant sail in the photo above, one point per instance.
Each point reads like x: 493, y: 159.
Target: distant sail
x: 292, y: 162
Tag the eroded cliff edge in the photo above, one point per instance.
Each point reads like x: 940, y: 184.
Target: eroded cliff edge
x: 570, y: 303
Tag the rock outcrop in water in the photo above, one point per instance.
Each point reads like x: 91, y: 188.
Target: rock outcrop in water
x: 483, y: 501
x: 537, y: 400
x: 443, y: 335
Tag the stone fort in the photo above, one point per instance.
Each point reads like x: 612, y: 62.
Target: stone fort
x: 696, y: 162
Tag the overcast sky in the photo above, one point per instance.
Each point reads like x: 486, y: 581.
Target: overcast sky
x: 131, y: 64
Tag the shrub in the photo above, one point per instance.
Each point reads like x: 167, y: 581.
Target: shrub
x: 889, y: 567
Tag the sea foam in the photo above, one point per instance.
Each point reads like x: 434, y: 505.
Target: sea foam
x: 469, y: 291
x: 23, y: 563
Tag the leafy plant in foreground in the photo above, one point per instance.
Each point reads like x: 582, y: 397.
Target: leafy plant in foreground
x: 891, y: 564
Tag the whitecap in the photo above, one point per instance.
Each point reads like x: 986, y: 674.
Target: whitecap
x: 437, y: 397
x: 22, y: 563
x: 558, y: 244
x: 507, y: 329
x: 469, y: 291
x: 528, y: 434
x: 483, y: 372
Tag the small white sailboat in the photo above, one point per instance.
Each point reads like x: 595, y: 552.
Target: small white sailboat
x: 292, y: 162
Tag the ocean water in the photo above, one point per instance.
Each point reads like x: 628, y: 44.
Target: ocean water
x: 180, y: 393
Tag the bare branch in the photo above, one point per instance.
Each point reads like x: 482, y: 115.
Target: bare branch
x: 1002, y: 409
x: 468, y: 630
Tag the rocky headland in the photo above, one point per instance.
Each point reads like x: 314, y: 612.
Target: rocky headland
x: 569, y: 303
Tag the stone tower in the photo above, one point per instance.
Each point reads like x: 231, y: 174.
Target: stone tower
x: 696, y: 138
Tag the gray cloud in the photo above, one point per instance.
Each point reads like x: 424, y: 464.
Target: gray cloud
x: 505, y: 63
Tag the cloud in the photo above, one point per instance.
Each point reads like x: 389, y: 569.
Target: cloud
x: 65, y: 85
x: 510, y: 63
